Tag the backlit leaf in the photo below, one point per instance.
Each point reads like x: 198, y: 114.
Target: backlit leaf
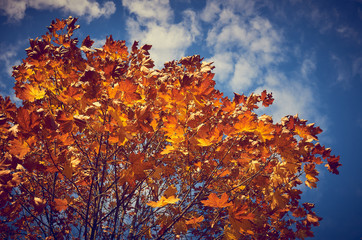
x: 163, y: 201
x: 19, y: 148
x: 195, y: 220
x: 31, y: 93
x: 214, y: 201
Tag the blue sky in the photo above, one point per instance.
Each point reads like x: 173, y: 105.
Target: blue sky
x: 308, y: 53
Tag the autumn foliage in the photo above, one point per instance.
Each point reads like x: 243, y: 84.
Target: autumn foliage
x: 104, y: 146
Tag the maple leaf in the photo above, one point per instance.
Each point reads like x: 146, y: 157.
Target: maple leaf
x: 163, y: 201
x: 265, y: 130
x: 19, y: 148
x: 278, y: 200
x: 60, y: 204
x: 27, y: 120
x: 7, y: 106
x: 170, y: 191
x: 195, y: 221
x: 71, y: 95
x: 87, y: 42
x: 267, y: 98
x: 31, y: 93
x: 246, y: 123
x: 241, y: 213
x: 214, y: 201
x: 168, y: 149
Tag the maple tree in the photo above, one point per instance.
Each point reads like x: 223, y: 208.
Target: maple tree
x: 104, y: 146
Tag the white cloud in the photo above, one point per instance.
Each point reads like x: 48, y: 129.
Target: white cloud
x: 291, y: 97
x: 154, y: 10
x: 8, y: 59
x: 244, y: 74
x: 224, y: 65
x: 247, y: 50
x: 250, y: 40
x: 15, y: 9
x: 152, y: 22
x: 8, y: 56
x: 308, y: 67
x: 98, y: 42
x: 209, y: 13
x: 242, y: 7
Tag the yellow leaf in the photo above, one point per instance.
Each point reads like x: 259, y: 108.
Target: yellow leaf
x: 310, y: 184
x: 204, y: 142
x: 163, y: 201
x: 32, y: 93
x: 311, y: 178
x: 265, y: 130
x: 74, y: 161
x: 168, y: 149
x: 246, y: 123
x: 39, y: 201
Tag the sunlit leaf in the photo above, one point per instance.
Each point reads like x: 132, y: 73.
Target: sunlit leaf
x: 195, y: 220
x: 19, y: 148
x: 163, y: 201
x: 214, y: 201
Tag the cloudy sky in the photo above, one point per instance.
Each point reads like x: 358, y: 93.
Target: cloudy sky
x: 308, y: 53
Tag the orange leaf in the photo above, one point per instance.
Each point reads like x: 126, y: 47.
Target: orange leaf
x: 246, y: 123
x: 312, y: 218
x: 19, y: 148
x: 60, y: 204
x: 195, y: 220
x: 163, y: 202
x: 265, y: 130
x: 31, y: 93
x: 214, y: 201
